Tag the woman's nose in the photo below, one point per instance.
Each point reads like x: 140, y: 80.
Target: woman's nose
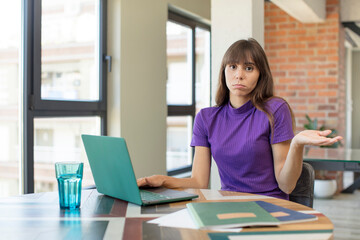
x: 239, y: 74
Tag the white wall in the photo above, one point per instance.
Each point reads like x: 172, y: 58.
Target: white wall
x: 349, y: 10
x: 137, y: 106
x: 198, y: 9
x: 230, y: 22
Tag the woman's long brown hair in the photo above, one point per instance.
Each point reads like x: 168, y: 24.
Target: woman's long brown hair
x: 249, y: 51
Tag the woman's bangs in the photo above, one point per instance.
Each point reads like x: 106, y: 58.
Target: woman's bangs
x: 239, y: 56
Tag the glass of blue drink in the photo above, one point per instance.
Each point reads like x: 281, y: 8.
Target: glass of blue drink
x: 69, y: 176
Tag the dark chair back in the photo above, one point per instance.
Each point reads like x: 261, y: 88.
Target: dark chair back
x: 304, y: 190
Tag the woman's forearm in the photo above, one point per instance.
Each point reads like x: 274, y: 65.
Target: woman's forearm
x: 292, y: 168
x: 172, y: 182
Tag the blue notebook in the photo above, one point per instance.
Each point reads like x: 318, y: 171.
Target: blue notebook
x: 286, y: 215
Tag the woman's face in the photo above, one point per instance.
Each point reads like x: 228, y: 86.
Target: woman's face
x: 241, y: 79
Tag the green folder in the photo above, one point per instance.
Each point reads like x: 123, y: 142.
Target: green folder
x: 212, y: 215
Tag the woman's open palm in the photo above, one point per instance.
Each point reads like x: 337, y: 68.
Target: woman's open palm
x: 316, y: 138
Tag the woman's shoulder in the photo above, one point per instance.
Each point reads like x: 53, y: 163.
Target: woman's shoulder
x: 210, y: 111
x: 274, y: 103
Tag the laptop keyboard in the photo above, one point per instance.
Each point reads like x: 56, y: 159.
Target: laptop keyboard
x: 150, y: 196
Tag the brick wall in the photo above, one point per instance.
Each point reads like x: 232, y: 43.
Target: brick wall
x: 307, y: 64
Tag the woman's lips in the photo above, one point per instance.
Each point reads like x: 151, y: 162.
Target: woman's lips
x: 239, y: 86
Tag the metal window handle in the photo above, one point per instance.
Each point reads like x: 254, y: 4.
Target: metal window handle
x: 108, y: 59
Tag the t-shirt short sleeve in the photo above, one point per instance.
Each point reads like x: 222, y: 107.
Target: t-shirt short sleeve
x: 200, y: 134
x: 283, y: 130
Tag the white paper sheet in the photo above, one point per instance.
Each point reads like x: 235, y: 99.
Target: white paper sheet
x: 179, y: 219
x: 182, y: 219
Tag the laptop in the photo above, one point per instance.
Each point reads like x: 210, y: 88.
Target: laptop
x: 114, y: 176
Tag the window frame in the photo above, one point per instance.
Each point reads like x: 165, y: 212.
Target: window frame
x: 186, y: 109
x: 33, y: 105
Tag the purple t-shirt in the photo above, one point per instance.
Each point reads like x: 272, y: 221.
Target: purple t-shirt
x: 240, y: 143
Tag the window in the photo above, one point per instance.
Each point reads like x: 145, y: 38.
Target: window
x: 59, y: 139
x: 69, y: 86
x: 188, y: 86
x: 52, y: 88
x: 70, y: 50
x: 10, y: 59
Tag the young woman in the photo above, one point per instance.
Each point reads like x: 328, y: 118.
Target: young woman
x: 249, y: 132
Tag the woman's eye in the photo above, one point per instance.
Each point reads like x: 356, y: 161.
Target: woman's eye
x: 249, y: 68
x: 232, y: 66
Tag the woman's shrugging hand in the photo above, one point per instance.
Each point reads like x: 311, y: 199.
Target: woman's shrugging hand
x: 314, y: 137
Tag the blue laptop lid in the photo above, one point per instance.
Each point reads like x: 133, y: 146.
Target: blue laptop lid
x: 111, y: 167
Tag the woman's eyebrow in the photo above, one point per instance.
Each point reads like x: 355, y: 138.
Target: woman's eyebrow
x: 249, y: 63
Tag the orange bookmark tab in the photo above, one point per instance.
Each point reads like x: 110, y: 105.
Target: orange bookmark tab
x: 235, y: 215
x: 279, y: 214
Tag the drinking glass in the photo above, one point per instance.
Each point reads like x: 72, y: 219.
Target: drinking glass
x: 69, y: 176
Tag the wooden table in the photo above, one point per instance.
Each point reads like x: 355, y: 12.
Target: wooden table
x: 335, y: 159
x: 38, y: 216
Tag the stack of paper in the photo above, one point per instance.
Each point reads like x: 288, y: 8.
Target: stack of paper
x: 223, y: 216
x: 182, y: 219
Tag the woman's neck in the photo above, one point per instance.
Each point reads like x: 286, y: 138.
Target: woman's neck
x: 237, y: 102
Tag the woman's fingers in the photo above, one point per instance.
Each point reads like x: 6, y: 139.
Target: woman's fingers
x: 324, y: 133
x: 141, y: 182
x: 338, y: 138
x: 325, y: 141
x: 151, y: 181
